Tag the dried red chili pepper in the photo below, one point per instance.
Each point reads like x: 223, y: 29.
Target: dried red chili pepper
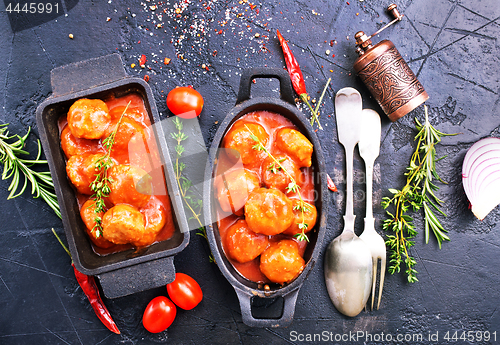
x: 89, y: 287
x: 331, y: 185
x: 296, y: 76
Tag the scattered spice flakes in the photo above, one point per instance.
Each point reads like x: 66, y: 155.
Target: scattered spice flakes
x: 70, y: 36
x: 132, y: 65
x: 108, y: 19
x: 146, y: 78
x: 166, y: 61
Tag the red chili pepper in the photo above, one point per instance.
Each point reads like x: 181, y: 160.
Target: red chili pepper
x: 331, y: 185
x: 292, y: 66
x: 91, y: 290
x: 296, y: 76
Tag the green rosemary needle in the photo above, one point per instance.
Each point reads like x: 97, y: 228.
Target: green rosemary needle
x: 416, y: 194
x: 14, y: 167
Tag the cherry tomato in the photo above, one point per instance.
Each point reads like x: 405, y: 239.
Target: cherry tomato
x: 183, y: 100
x: 159, y: 314
x: 184, y: 291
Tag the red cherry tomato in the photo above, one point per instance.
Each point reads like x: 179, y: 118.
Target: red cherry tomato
x: 184, y: 291
x: 182, y: 101
x: 159, y: 314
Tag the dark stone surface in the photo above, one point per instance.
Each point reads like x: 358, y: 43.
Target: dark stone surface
x: 452, y: 46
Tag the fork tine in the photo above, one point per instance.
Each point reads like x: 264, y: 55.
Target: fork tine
x: 381, y: 285
x: 374, y: 279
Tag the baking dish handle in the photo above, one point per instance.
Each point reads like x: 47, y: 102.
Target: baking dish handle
x: 286, y: 318
x: 84, y: 75
x: 286, y: 90
x: 129, y: 280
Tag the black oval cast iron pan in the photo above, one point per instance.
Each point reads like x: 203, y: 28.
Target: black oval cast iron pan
x: 247, y: 290
x: 125, y: 272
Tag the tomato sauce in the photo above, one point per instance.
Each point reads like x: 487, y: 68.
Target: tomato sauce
x: 144, y: 155
x: 272, y: 123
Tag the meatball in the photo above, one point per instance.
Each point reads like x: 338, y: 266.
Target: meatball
x: 129, y: 185
x: 155, y: 215
x: 243, y: 244
x: 133, y: 113
x: 239, y: 140
x: 81, y: 170
x: 72, y: 145
x: 234, y: 187
x: 129, y: 131
x: 268, y: 211
x: 88, y: 118
x: 124, y: 224
x: 281, y: 262
x: 310, y: 215
x: 88, y: 214
x: 274, y: 177
x: 296, y: 145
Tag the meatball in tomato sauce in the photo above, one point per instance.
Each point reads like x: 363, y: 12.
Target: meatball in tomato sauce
x: 88, y: 118
x: 233, y: 189
x: 124, y: 224
x: 243, y: 244
x: 310, y: 215
x: 268, y: 211
x: 72, y: 145
x: 82, y: 169
x: 239, y: 143
x: 88, y: 214
x: 281, y: 262
x: 274, y: 176
x: 129, y: 185
x: 296, y: 145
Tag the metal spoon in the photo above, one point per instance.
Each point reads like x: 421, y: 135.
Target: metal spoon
x: 348, y: 261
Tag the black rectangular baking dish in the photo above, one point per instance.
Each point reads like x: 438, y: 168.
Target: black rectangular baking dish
x: 125, y: 272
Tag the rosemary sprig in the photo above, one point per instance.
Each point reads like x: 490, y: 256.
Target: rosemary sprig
x: 194, y: 204
x: 13, y: 166
x: 101, y: 184
x: 292, y: 187
x: 417, y: 193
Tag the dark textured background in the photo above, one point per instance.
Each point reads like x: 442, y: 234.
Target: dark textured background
x: 453, y: 48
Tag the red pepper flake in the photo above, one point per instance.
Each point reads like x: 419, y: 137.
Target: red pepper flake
x: 142, y: 60
x: 331, y: 185
x: 348, y: 3
x: 257, y: 11
x: 146, y: 78
x: 138, y: 42
x: 214, y: 53
x: 252, y: 6
x: 333, y: 55
x: 331, y: 43
x: 166, y: 61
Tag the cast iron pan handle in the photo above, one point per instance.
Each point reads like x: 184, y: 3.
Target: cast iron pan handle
x: 87, y: 74
x: 286, y: 318
x: 137, y: 278
x: 286, y: 90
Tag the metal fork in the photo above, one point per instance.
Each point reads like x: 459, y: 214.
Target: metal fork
x: 369, y: 148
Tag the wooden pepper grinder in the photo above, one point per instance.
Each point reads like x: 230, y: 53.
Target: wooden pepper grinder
x: 386, y: 74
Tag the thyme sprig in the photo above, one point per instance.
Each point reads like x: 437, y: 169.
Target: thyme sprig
x: 416, y: 194
x: 193, y: 203
x: 101, y: 184
x: 14, y: 167
x: 292, y: 187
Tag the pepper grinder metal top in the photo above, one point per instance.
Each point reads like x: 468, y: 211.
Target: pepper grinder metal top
x: 386, y: 74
